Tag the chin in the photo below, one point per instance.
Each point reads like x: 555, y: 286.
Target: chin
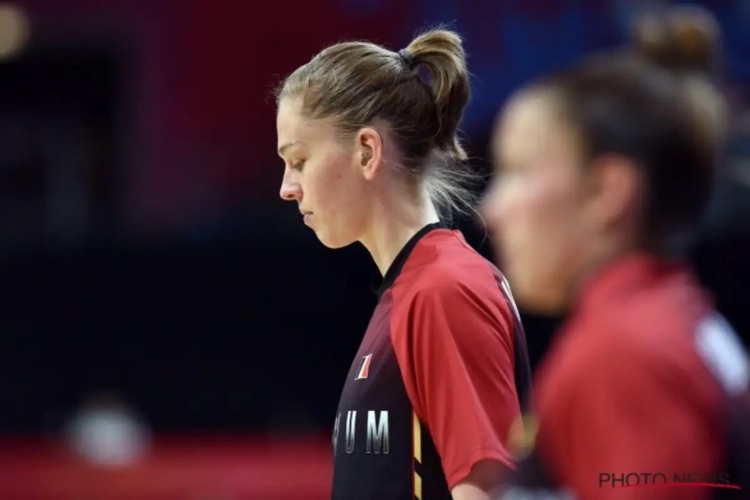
x: 537, y: 298
x: 332, y: 242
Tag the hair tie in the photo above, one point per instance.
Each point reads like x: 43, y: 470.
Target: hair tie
x: 407, y: 58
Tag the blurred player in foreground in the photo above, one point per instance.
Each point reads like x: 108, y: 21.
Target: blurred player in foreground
x: 687, y: 39
x: 371, y: 155
x: 603, y: 172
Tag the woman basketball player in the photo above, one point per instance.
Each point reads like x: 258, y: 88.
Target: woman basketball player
x: 368, y: 138
x: 603, y: 173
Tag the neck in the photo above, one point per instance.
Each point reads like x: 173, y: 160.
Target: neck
x: 392, y: 227
x: 593, y: 266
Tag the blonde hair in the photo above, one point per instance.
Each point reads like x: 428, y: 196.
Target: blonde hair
x: 357, y: 84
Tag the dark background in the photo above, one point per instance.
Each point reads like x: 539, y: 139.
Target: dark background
x: 144, y: 250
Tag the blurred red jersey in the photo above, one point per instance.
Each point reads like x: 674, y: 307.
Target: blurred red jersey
x: 644, y: 395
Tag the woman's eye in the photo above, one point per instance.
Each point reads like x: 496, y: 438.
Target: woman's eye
x: 297, y: 165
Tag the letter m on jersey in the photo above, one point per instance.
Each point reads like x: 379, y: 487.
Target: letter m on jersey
x: 364, y: 367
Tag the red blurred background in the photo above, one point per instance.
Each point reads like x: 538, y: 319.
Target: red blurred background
x: 200, y: 82
x: 213, y: 468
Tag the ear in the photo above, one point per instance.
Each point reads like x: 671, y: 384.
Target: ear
x: 369, y: 151
x: 614, y: 190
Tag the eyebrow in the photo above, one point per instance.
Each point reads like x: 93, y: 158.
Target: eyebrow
x: 287, y: 146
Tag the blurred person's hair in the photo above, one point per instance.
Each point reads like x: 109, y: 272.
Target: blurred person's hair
x: 686, y: 40
x: 620, y: 104
x: 416, y: 95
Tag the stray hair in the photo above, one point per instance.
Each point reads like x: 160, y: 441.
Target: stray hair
x: 360, y: 84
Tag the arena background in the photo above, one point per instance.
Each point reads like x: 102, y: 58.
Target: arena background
x: 145, y: 258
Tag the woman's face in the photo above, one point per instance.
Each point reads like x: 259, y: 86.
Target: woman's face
x: 533, y: 207
x: 322, y: 174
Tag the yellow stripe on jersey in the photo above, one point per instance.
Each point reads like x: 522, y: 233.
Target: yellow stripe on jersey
x: 417, y: 438
x: 522, y: 436
x: 417, y: 444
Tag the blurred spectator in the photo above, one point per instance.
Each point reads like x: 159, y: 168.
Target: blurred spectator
x: 108, y: 433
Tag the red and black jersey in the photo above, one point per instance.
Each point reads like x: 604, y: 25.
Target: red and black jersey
x: 435, y: 385
x: 644, y: 395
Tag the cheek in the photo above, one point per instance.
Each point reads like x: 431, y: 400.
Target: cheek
x: 325, y: 182
x: 547, y: 203
x: 549, y: 210
x: 521, y: 202
x: 539, y: 242
x: 534, y: 217
x: 336, y: 190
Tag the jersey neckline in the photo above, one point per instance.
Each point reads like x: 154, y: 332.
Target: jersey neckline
x: 398, y: 263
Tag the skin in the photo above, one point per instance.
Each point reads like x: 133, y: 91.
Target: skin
x: 346, y: 193
x: 553, y: 219
x: 343, y: 187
